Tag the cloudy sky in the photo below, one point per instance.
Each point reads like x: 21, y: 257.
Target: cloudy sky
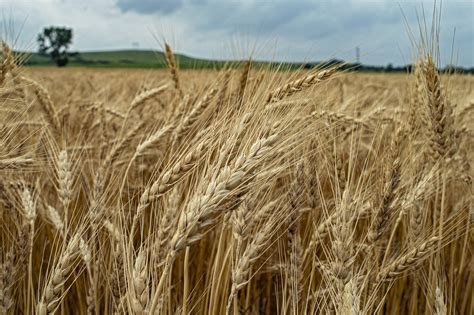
x: 295, y: 30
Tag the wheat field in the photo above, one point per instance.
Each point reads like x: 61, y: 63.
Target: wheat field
x: 240, y: 191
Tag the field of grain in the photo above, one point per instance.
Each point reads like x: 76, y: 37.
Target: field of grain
x: 239, y: 191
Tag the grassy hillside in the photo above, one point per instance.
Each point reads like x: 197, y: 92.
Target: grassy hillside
x: 135, y: 59
x: 121, y: 59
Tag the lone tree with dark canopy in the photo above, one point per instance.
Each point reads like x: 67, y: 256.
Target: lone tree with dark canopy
x: 54, y: 41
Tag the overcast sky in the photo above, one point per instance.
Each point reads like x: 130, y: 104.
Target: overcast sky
x: 284, y: 30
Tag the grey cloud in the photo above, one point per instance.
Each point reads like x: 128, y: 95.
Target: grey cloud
x: 149, y: 6
x: 308, y: 19
x: 260, y: 16
x: 336, y: 25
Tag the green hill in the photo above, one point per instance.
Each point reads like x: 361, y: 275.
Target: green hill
x: 140, y: 59
x: 119, y: 59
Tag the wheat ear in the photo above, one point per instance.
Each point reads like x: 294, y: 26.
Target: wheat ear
x: 53, y: 293
x: 8, y: 63
x: 194, y: 114
x: 408, y: 261
x: 45, y: 102
x: 298, y: 85
x: 440, y: 307
x: 139, y: 281
x: 142, y: 147
x: 392, y: 182
x: 173, y: 68
x: 439, y: 113
x: 294, y: 279
x: 15, y: 163
x: 116, y: 150
x: 241, y: 271
x: 143, y: 97
x: 169, y: 178
x: 7, y: 281
x: 65, y: 181
x: 167, y: 225
x: 244, y: 77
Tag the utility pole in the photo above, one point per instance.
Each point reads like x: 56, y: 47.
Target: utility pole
x: 357, y: 54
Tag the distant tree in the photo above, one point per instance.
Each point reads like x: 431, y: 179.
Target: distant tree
x: 54, y: 41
